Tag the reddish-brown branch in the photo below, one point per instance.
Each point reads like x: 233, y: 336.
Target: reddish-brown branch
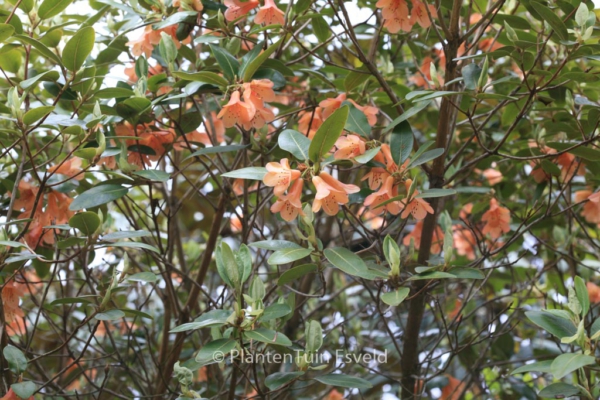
x: 446, y: 122
x: 165, y: 370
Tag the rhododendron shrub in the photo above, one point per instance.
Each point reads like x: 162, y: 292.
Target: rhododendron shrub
x: 393, y: 199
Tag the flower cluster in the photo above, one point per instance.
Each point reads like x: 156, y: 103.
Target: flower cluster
x: 269, y: 14
x: 386, y: 181
x: 56, y: 212
x: 148, y: 136
x: 214, y: 135
x: 280, y: 176
x: 567, y: 163
x: 591, y: 208
x: 12, y: 291
x: 251, y: 112
x: 496, y: 221
x: 310, y: 121
x: 397, y: 17
x: 182, y: 5
x: 146, y: 42
x: 331, y: 193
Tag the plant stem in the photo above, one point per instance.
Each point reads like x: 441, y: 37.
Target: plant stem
x: 410, y: 365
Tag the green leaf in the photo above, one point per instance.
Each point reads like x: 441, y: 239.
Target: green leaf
x: 204, y: 76
x: 208, y: 39
x: 552, y: 19
x: 228, y: 63
x: 24, y: 389
x: 87, y: 222
x: 348, y: 262
x: 87, y: 153
x: 276, y: 65
x: 401, y: 142
x: 73, y: 300
x: 208, y: 319
x: 425, y: 157
x: 392, y: 254
x: 431, y: 275
x: 328, y: 133
x: 145, y: 277
x: 559, y: 327
x: 125, y: 235
x: 217, y: 149
x: 15, y: 358
x: 255, y: 173
x: 114, y: 93
x: 223, y: 256
x: 411, y: 112
x: 279, y: 379
x: 471, y: 73
x: 20, y: 257
x: 514, y: 21
x: 275, y: 245
x: 321, y: 28
x: 268, y: 336
x: 368, y: 155
x: 44, y: 76
x: 11, y: 243
x: 581, y: 151
x: 285, y: 256
x: 250, y: 67
x: 135, y: 245
x: 357, y: 122
x: 132, y: 108
x: 472, y: 189
x: 110, y: 315
x: 550, y: 168
x: 559, y: 390
x: 427, y: 194
x: 581, y: 16
x: 230, y: 265
x: 313, y: 335
x: 35, y: 114
x: 345, y: 381
x: 295, y: 143
x: 396, y: 297
x: 153, y: 175
x: 51, y: 8
x: 97, y: 196
x: 302, y: 5
x: 354, y: 79
x: 540, y: 366
x: 467, y: 273
x: 243, y: 258
x: 137, y: 313
x: 275, y: 311
x: 595, y: 328
x: 582, y: 295
x: 78, y: 48
x: 176, y: 18
x: 257, y: 288
x: 6, y: 31
x: 70, y: 242
x: 567, y: 363
x: 212, y: 352
x: 295, y: 273
x: 39, y: 46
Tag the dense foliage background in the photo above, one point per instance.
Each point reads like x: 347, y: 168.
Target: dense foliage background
x: 396, y: 198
